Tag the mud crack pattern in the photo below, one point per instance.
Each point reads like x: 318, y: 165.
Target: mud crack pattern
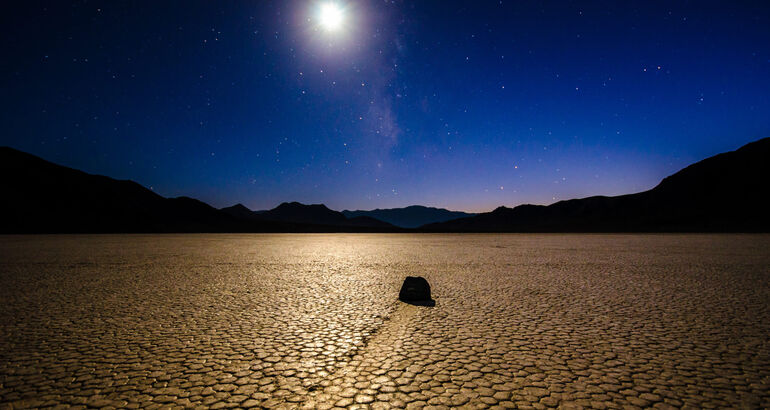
x: 293, y: 321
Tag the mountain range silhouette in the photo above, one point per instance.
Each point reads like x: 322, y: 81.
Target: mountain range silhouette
x: 723, y: 193
x: 412, y: 216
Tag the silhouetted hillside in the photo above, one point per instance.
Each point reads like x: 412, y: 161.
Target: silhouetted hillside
x: 411, y: 216
x: 42, y: 197
x: 297, y: 212
x: 317, y: 214
x: 240, y: 211
x: 723, y: 193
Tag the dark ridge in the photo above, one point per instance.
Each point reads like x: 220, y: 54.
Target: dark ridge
x: 318, y: 214
x: 239, y: 211
x: 724, y: 193
x: 301, y: 213
x: 42, y: 197
x: 410, y: 217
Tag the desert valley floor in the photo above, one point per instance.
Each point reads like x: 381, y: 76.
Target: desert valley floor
x: 291, y: 321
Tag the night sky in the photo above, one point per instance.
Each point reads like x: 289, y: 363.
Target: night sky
x: 464, y: 105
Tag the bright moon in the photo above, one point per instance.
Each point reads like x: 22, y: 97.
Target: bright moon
x: 331, y: 16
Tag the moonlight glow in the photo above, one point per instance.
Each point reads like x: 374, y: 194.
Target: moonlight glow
x: 331, y: 16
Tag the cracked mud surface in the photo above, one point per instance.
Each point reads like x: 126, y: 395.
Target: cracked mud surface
x: 603, y: 321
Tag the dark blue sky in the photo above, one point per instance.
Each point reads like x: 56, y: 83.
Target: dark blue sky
x: 464, y: 105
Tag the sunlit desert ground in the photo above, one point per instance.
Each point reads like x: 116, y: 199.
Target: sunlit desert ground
x: 313, y: 321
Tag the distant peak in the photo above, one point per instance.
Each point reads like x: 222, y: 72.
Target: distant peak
x: 295, y: 204
x: 238, y: 206
x: 288, y: 205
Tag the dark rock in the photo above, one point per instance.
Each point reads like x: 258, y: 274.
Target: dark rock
x: 416, y: 291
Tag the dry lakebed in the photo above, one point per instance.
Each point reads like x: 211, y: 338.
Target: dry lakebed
x: 313, y: 321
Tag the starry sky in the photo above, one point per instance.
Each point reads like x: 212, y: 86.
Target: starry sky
x: 464, y: 105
